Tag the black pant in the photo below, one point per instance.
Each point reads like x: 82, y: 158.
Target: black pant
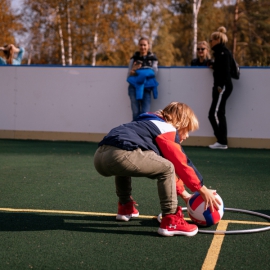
x: 217, y: 112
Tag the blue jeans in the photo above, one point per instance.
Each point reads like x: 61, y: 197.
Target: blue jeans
x: 139, y: 106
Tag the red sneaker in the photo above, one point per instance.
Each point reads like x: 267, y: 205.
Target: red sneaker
x: 175, y: 224
x: 127, y: 211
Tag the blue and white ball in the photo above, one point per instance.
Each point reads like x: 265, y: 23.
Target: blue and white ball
x: 196, y: 212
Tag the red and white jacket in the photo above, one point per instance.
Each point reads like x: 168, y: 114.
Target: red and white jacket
x: 151, y: 132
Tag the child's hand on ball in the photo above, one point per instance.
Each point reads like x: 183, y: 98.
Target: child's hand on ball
x: 209, y: 198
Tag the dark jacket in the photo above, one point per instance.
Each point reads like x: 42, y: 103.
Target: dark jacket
x: 221, y: 66
x: 146, y: 61
x: 196, y: 62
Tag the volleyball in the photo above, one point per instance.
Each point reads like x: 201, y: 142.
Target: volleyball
x: 196, y: 212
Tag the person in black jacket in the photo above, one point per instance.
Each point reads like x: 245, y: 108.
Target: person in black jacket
x: 222, y: 88
x: 203, y: 55
x: 143, y: 58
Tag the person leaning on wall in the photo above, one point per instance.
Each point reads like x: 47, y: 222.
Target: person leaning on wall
x: 222, y: 88
x: 203, y: 55
x: 12, y: 55
x: 142, y: 71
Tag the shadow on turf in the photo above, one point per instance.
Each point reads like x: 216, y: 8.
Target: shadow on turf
x: 265, y: 212
x: 98, y: 224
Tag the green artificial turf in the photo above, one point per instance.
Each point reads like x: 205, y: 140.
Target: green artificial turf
x: 48, y: 175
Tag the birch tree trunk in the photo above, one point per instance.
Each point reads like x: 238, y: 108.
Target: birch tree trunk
x: 82, y: 32
x: 94, y: 53
x: 95, y: 42
x: 61, y: 36
x: 30, y: 55
x: 69, y: 35
x: 235, y: 27
x: 196, y: 7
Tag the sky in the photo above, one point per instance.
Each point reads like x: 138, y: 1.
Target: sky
x: 15, y: 3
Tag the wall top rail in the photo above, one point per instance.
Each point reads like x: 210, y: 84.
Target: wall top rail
x: 120, y: 67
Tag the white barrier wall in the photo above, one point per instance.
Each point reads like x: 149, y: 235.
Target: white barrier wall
x: 66, y: 101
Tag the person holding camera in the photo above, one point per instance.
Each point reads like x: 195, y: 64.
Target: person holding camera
x: 142, y: 71
x: 9, y: 55
x: 203, y: 55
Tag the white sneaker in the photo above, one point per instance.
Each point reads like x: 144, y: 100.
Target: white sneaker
x: 218, y: 146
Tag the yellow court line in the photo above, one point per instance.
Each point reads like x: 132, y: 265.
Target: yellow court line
x: 214, y: 250
x: 55, y: 212
x: 110, y: 215
x: 64, y: 212
x: 249, y: 222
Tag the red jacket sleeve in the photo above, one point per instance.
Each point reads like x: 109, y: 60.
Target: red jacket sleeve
x: 180, y: 188
x: 183, y: 166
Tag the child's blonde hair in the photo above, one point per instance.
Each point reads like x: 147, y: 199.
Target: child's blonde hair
x: 180, y: 115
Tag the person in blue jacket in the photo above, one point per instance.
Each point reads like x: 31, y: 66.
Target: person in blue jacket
x: 142, y: 72
x: 9, y: 55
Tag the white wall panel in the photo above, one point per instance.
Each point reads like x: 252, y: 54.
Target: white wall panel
x: 95, y: 99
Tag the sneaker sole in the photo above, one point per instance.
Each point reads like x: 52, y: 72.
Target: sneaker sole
x: 165, y: 232
x: 126, y: 217
x: 222, y: 148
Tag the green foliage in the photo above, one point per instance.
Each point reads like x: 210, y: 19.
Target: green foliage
x: 255, y: 26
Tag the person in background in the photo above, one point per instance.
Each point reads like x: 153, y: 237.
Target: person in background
x: 142, y: 71
x: 203, y: 55
x: 222, y: 88
x: 150, y: 147
x: 10, y: 51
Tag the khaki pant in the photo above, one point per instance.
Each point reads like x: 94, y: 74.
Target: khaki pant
x: 109, y: 161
